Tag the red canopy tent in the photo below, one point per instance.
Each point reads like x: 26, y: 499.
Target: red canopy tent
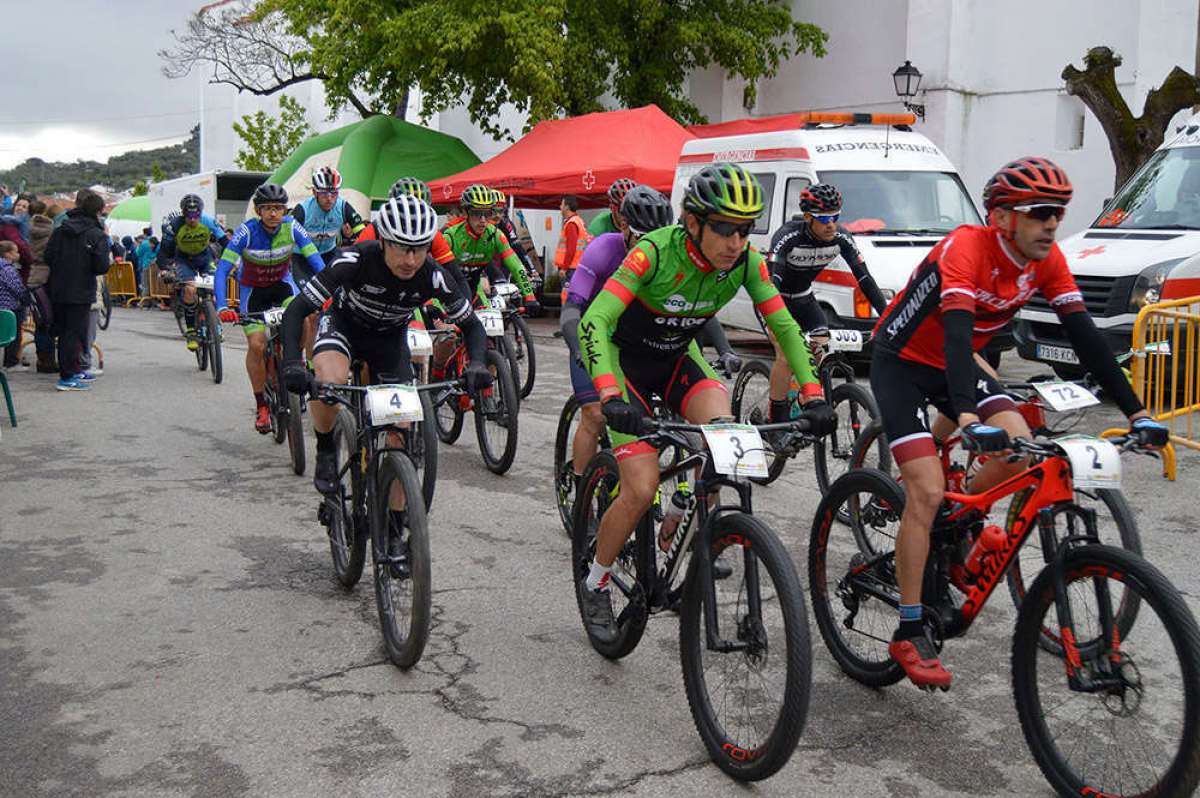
x: 760, y: 124
x: 581, y: 155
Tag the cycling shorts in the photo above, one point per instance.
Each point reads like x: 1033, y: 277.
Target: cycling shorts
x: 188, y: 266
x: 256, y: 300
x: 676, y: 382
x: 904, y: 390
x: 585, y: 391
x: 385, y: 352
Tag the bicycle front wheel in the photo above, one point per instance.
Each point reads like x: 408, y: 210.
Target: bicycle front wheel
x: 832, y: 454
x: 447, y: 413
x: 526, y: 371
x: 1130, y: 724
x: 212, y: 333
x: 402, y: 563
x: 749, y: 703
x: 295, y: 433
x: 424, y: 451
x: 750, y: 403
x: 496, y: 417
x: 564, y: 467
x: 347, y: 527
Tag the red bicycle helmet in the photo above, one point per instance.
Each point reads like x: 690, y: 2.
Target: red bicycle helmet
x: 618, y: 190
x: 1027, y: 181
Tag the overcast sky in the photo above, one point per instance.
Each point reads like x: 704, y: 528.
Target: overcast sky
x: 83, y: 79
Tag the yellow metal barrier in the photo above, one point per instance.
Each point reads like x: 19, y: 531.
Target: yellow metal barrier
x: 1166, y: 371
x: 122, y: 284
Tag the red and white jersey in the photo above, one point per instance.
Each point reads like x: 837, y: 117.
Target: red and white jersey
x: 970, y: 269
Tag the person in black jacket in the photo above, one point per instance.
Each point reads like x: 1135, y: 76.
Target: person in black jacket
x: 76, y: 253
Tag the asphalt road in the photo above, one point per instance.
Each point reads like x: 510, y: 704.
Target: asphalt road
x: 170, y: 625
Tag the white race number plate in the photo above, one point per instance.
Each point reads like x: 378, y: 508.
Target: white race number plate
x: 273, y: 317
x: 1062, y: 396
x: 737, y: 450
x: 1057, y: 354
x: 845, y: 341
x: 493, y: 322
x: 507, y: 289
x: 498, y: 302
x: 419, y: 342
x: 1095, y: 463
x: 389, y: 404
x: 204, y: 281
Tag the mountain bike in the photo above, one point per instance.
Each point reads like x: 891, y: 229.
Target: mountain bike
x: 743, y: 638
x: 517, y: 340
x: 379, y: 494
x: 287, y: 420
x: 495, y: 408
x: 1116, y: 524
x: 208, y: 325
x: 1108, y: 698
x: 851, y: 401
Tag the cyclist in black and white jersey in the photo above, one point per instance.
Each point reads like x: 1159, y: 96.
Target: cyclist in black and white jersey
x: 367, y: 296
x: 800, y: 250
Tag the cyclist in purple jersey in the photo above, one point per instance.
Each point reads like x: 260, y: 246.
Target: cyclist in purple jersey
x: 643, y: 209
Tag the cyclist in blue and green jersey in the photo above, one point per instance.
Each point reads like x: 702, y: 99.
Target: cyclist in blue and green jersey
x: 328, y: 219
x: 264, y: 247
x: 186, y: 237
x: 679, y: 276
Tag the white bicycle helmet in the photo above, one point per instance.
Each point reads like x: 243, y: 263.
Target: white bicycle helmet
x: 407, y: 220
x: 326, y: 179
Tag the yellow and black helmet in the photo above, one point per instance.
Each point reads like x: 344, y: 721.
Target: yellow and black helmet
x: 725, y: 189
x: 478, y: 197
x: 501, y: 200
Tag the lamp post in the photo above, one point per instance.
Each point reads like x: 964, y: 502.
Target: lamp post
x: 908, y: 80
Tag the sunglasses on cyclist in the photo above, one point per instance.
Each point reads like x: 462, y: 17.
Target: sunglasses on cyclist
x: 827, y: 218
x: 333, y: 193
x: 192, y: 215
x: 478, y: 214
x: 1042, y: 212
x: 727, y: 229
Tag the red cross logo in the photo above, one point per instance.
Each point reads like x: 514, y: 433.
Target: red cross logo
x: 1083, y: 253
x: 589, y: 180
x: 447, y: 190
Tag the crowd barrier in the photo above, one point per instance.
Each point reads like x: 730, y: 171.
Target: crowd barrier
x: 122, y: 282
x: 1166, y: 371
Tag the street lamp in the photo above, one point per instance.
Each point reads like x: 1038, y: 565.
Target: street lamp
x: 908, y: 80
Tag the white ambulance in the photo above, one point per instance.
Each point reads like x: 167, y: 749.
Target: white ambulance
x: 900, y: 196
x: 1143, y: 247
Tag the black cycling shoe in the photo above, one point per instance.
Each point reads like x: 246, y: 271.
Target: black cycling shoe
x: 325, y: 473
x: 598, y: 614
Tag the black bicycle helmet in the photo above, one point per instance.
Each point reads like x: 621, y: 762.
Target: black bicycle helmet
x: 726, y: 189
x: 646, y: 209
x: 820, y: 198
x: 411, y: 187
x: 191, y: 203
x: 270, y: 194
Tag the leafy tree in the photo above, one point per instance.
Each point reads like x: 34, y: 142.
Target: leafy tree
x: 270, y: 140
x: 140, y: 189
x: 1131, y: 139
x: 546, y: 57
x: 157, y: 175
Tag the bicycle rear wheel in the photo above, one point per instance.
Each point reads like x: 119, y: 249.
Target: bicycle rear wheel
x: 852, y: 584
x: 631, y: 569
x: 276, y: 399
x: 423, y: 451
x: 402, y: 564
x: 347, y: 528
x: 448, y: 413
x: 295, y: 433
x: 526, y: 357
x: 751, y: 404
x: 749, y: 705
x: 496, y: 417
x: 832, y: 454
x: 1136, y: 732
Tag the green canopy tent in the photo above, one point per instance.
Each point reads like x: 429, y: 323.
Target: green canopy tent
x: 370, y: 155
x: 129, y: 217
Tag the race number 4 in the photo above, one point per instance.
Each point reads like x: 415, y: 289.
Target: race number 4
x: 389, y: 404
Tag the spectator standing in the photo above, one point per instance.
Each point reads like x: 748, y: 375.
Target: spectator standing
x: 571, y: 241
x: 147, y: 253
x: 10, y: 230
x: 41, y: 225
x: 77, y: 253
x: 13, y: 296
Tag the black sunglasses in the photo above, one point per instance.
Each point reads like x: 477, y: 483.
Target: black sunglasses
x: 1043, y: 212
x: 727, y: 229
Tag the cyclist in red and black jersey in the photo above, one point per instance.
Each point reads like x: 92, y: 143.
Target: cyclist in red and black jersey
x: 964, y: 291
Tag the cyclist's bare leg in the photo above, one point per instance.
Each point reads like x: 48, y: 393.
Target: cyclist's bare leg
x: 924, y: 486
x: 997, y: 469
x: 942, y: 427
x: 310, y: 334
x: 587, y: 436
x: 334, y: 367
x: 189, y: 294
x: 256, y: 367
x: 639, y: 481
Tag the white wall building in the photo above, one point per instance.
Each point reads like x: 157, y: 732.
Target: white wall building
x: 991, y: 88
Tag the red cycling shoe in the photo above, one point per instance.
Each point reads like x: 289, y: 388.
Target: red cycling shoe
x: 919, y: 659
x: 262, y: 421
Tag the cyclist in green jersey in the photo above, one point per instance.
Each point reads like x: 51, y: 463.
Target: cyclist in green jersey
x: 680, y: 276
x: 609, y: 221
x: 475, y: 242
